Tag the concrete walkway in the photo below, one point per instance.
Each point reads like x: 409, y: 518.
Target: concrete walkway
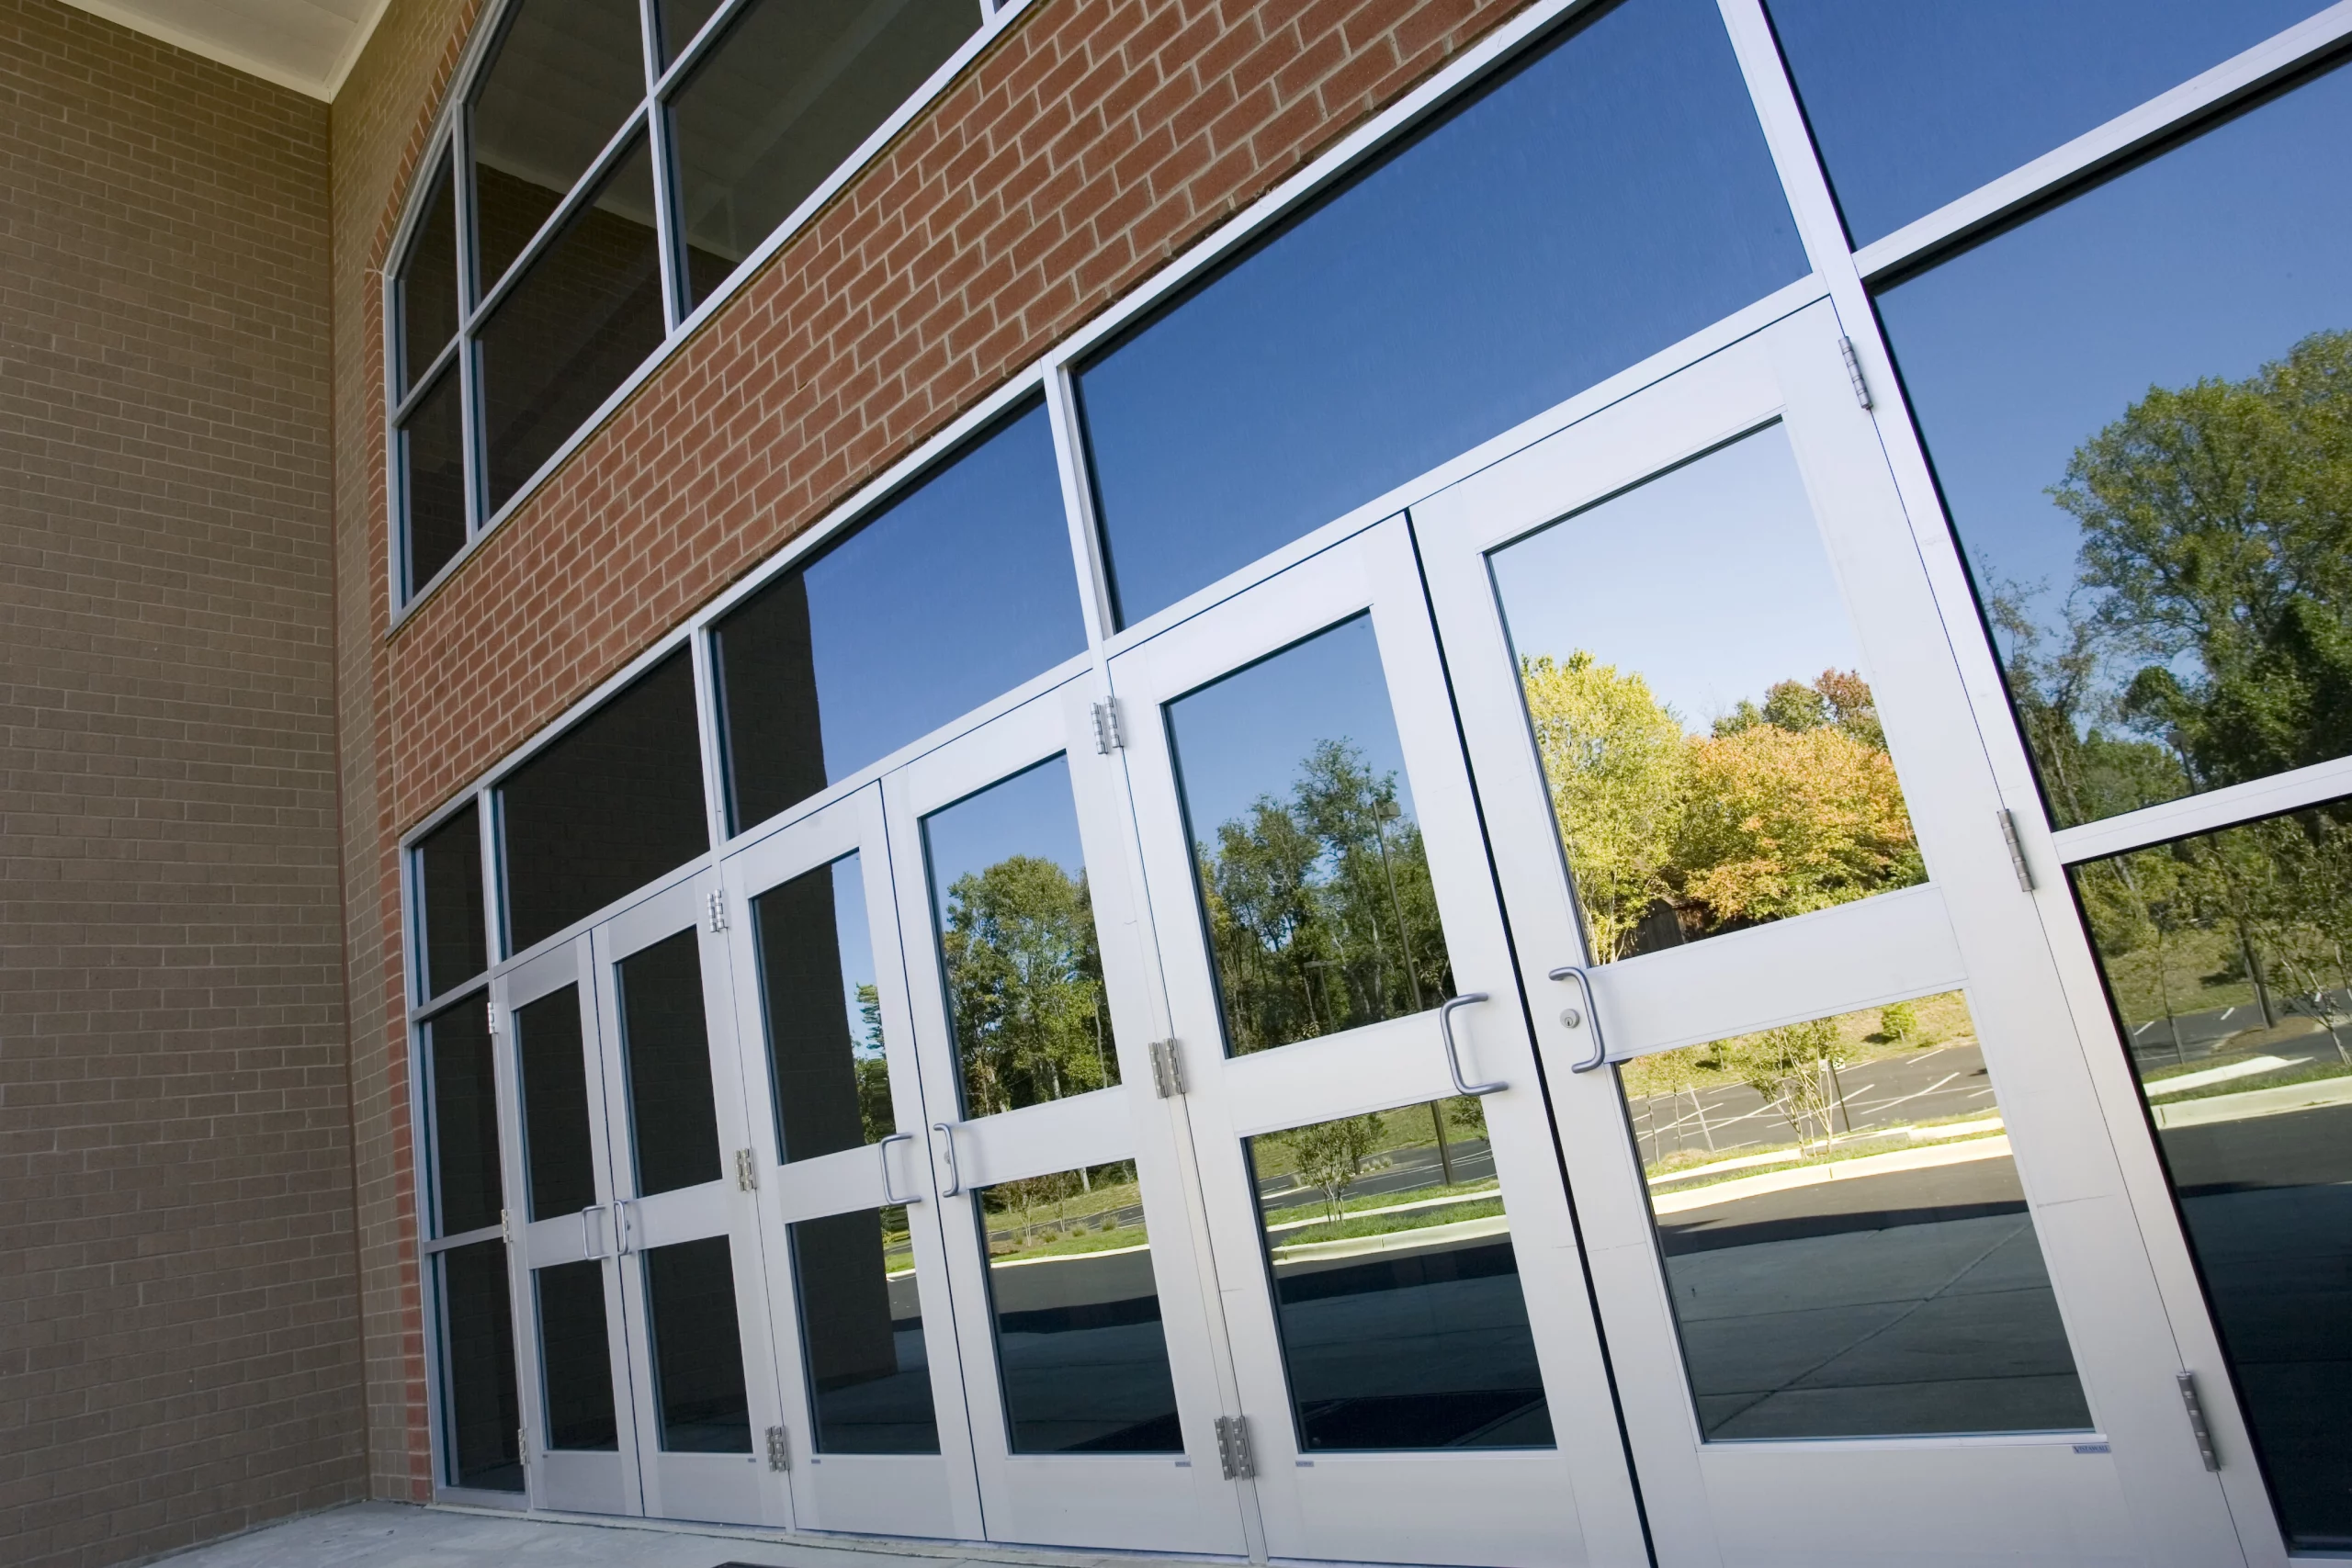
x: 398, y: 1535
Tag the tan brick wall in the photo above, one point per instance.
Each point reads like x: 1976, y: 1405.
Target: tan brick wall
x: 178, y: 1346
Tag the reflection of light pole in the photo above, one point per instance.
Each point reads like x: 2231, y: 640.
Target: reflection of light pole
x: 1382, y: 811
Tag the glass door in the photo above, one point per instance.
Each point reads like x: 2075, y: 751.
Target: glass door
x: 1419, y: 1376
x: 1871, y: 1283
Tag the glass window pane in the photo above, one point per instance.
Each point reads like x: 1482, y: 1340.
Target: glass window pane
x: 1080, y: 1348
x: 2224, y: 961
x: 1917, y: 104
x: 666, y: 1040
x: 586, y: 314
x: 1313, y: 884
x: 1845, y: 1243
x: 428, y: 281
x: 1606, y: 200
x: 697, y: 1348
x: 603, y: 810
x: 681, y: 20
x: 2128, y: 414
x: 576, y: 1356
x: 861, y: 1334
x: 831, y: 1078
x: 1712, y: 750
x: 465, y: 1186
x: 433, y: 486
x: 566, y: 73
x: 775, y: 106
x: 953, y: 592
x: 448, y: 876
x: 1017, y: 943
x: 559, y: 1156
x: 1395, y: 1286
x: 481, y: 1414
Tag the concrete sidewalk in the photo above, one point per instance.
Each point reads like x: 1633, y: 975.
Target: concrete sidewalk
x: 399, y: 1535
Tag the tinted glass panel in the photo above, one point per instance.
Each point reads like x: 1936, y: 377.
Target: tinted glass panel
x: 565, y: 75
x: 861, y: 1334
x: 433, y: 451
x: 556, y: 1133
x: 672, y: 1119
x: 1017, y: 943
x: 773, y: 106
x: 2224, y: 959
x: 1916, y: 104
x: 1606, y: 199
x: 1314, y: 886
x: 825, y: 1013
x: 576, y: 1356
x: 428, y: 280
x: 1714, y: 754
x: 1079, y: 1343
x: 448, y: 876
x: 586, y: 314
x: 1847, y: 1246
x: 465, y: 1118
x: 697, y: 1351
x: 479, y: 1405
x: 1395, y: 1287
x: 681, y: 20
x: 954, y: 592
x: 605, y: 809
x: 2143, y: 433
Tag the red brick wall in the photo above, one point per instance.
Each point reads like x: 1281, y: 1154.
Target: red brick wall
x: 179, y: 1354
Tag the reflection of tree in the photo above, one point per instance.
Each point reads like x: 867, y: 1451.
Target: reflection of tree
x: 1320, y: 909
x: 1024, y: 980
x: 874, y: 1111
x: 1330, y: 1156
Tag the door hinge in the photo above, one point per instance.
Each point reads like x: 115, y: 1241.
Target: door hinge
x: 2196, y: 1428
x: 747, y: 1172
x: 1167, y: 1068
x: 779, y: 1450
x: 523, y: 1443
x: 2017, y: 850
x: 1854, y: 372
x: 489, y: 1016
x: 1233, y: 1454
x: 718, y: 911
x: 506, y: 1224
x: 1108, y: 738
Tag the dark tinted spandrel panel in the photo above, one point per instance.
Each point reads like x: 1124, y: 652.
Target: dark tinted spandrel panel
x: 432, y: 485
x: 681, y: 20
x: 1917, y: 104
x: 861, y: 1334
x: 666, y: 1040
x: 465, y: 1118
x: 697, y: 1348
x: 2224, y: 957
x: 818, y: 994
x: 428, y: 280
x: 576, y: 1356
x: 559, y: 1155
x: 774, y: 107
x: 448, y: 876
x: 480, y: 1406
x: 1606, y: 200
x: 586, y: 314
x: 955, y: 592
x: 1080, y: 1350
x: 611, y: 806
x: 565, y: 74
x: 2142, y: 429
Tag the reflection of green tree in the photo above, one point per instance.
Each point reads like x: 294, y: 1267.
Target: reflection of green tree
x: 873, y: 1112
x: 1322, y: 912
x: 1024, y: 980
x: 1330, y: 1156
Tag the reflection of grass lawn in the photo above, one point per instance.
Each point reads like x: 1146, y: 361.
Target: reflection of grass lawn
x: 1416, y: 1195
x: 1385, y: 1223
x: 1687, y: 1169
x: 1069, y: 1244
x: 2294, y: 1072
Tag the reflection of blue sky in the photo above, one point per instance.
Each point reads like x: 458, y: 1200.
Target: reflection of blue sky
x: 954, y: 594
x: 1711, y: 582
x: 855, y: 941
x: 1917, y: 102
x: 2207, y: 263
x: 1247, y: 735
x: 1031, y: 813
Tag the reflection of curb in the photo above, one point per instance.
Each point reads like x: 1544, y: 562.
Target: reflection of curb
x: 1069, y: 1256
x: 1394, y: 1241
x: 1831, y: 1170
x: 2256, y: 1102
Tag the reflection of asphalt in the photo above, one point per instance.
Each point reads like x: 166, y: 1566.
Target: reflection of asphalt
x: 1408, y: 1169
x: 2185, y: 1037
x: 1918, y: 1085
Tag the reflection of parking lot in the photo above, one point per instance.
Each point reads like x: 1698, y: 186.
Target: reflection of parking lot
x: 1933, y: 1084
x: 1407, y: 1169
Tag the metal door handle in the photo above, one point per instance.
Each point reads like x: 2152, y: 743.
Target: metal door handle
x: 588, y: 1231
x: 882, y: 1150
x: 1453, y: 1054
x: 955, y: 1178
x: 1591, y: 1016
x: 622, y: 1238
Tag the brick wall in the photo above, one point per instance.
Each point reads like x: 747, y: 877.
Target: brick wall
x: 178, y: 1347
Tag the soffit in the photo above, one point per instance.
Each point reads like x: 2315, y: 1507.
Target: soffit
x: 306, y: 45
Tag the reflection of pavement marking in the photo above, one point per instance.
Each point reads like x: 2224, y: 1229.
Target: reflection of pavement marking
x: 2256, y: 1102
x: 1479, y: 1197
x: 1831, y: 1170
x: 2217, y: 1075
x: 1393, y: 1241
x: 1069, y: 1256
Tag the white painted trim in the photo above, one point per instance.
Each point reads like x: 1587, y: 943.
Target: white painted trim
x: 2205, y: 812
x: 323, y: 88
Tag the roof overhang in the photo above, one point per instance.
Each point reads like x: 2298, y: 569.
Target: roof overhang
x: 306, y: 45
